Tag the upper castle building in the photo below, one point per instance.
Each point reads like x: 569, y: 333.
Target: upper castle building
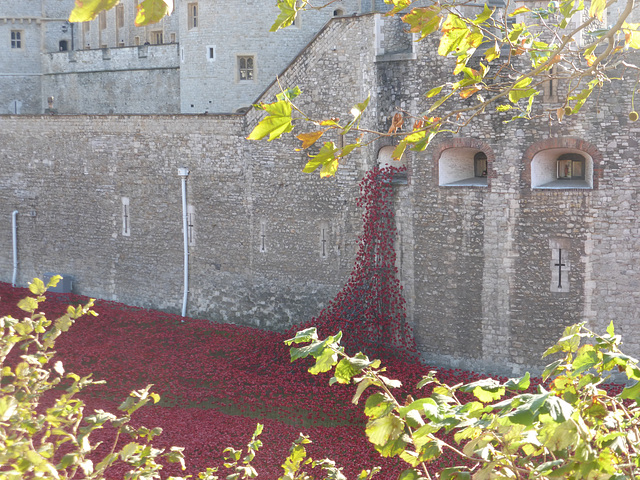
x: 204, y: 57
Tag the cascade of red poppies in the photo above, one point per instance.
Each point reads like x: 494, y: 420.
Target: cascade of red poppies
x: 370, y: 309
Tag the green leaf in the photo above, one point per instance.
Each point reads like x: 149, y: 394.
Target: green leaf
x: 422, y: 405
x: 276, y: 123
x: 378, y: 405
x: 586, y: 358
x: 558, y: 436
x: 289, y: 93
x: 152, y: 11
x: 393, y: 447
x: 527, y: 408
x: 349, y: 367
x: 558, y: 409
x: 128, y: 450
x: 288, y: 12
x: 484, y: 16
x: 492, y: 52
x: 570, y: 341
x: 398, y: 5
x: 632, y: 392
x: 454, y: 473
x: 68, y: 460
x: 86, y: 10
x: 520, y: 91
x: 611, y: 329
x: 28, y: 304
x: 457, y: 37
x: 486, y: 390
x: 383, y: 429
x: 8, y: 406
x: 434, y: 91
x: 324, y: 362
x: 521, y: 383
x: 363, y: 384
x: 439, y: 102
x: 410, y: 474
x: 306, y: 335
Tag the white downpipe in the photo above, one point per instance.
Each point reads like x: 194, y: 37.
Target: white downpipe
x: 184, y: 173
x: 14, y: 225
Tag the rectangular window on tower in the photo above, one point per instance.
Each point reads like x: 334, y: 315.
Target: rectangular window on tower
x: 246, y: 65
x: 192, y: 12
x: 102, y: 19
x: 156, y: 37
x: 16, y: 39
x: 119, y: 16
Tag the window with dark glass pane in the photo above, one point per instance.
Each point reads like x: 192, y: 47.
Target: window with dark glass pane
x: 16, y: 39
x: 570, y: 166
x: 245, y: 67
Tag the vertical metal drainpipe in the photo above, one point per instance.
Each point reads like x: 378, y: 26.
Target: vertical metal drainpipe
x: 184, y: 173
x: 14, y: 225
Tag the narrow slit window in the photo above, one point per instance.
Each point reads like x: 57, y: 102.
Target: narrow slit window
x: 191, y: 225
x: 560, y: 266
x: 324, y: 241
x: 263, y: 237
x: 211, y: 53
x: 126, y: 218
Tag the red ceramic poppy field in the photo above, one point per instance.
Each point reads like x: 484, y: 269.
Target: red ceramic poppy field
x: 216, y: 382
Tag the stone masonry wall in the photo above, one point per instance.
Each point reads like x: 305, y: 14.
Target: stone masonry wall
x: 123, y: 80
x: 481, y: 262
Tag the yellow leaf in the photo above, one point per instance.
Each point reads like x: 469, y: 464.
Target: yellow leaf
x: 310, y: 138
x: 597, y: 8
x: 467, y: 92
x: 631, y: 35
x: 519, y: 10
x: 152, y: 11
x: 86, y: 10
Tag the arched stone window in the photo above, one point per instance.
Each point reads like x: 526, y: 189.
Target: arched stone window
x: 338, y: 12
x: 463, y: 167
x: 385, y: 159
x: 561, y: 168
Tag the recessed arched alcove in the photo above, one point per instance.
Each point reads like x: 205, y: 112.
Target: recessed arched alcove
x: 561, y: 168
x: 463, y: 167
x: 385, y: 159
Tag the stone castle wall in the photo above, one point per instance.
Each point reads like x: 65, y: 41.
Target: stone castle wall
x: 478, y: 263
x: 143, y: 79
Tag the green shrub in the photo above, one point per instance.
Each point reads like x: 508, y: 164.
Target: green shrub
x: 574, y: 428
x: 56, y: 442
